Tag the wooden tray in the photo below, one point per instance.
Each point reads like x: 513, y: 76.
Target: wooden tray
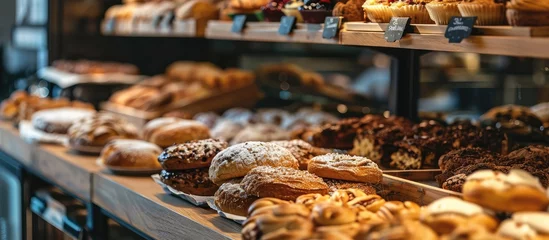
x: 245, y: 96
x: 422, y: 175
x: 395, y: 188
x: 441, y: 29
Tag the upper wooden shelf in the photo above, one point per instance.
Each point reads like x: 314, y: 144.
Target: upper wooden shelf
x: 502, y: 40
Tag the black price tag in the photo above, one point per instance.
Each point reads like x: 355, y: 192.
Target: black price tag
x: 331, y: 27
x: 110, y: 25
x: 459, y: 28
x: 239, y: 22
x: 397, y: 27
x: 167, y: 20
x: 287, y: 25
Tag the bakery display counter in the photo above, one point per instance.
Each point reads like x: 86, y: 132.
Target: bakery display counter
x: 142, y: 203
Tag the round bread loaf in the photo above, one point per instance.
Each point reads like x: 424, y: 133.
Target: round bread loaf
x: 237, y: 160
x: 345, y: 167
x: 99, y: 129
x: 128, y: 153
x: 165, y: 132
x: 282, y: 183
x: 194, y: 154
x: 191, y: 181
x: 231, y: 198
x: 59, y: 120
x: 302, y: 151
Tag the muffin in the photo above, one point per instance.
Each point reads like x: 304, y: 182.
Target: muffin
x: 441, y: 11
x: 415, y: 9
x: 528, y: 13
x: 487, y: 11
x: 378, y: 10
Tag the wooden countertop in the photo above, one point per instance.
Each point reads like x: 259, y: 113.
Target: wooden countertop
x: 139, y: 201
x: 143, y: 203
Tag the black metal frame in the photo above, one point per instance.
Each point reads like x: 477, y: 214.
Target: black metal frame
x: 13, y: 166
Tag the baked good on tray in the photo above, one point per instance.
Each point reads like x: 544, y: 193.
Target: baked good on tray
x: 350, y: 10
x: 191, y: 181
x: 526, y: 225
x: 302, y: 151
x: 345, y: 167
x: 378, y: 11
x: 488, y: 12
x: 441, y: 11
x: 514, y: 192
x: 282, y: 183
x: 414, y: 9
x: 99, y: 129
x: 165, y: 132
x: 237, y: 160
x: 528, y: 13
x: 231, y: 198
x: 130, y: 154
x: 59, y: 120
x: 335, y: 184
x: 260, y: 132
x: 191, y: 155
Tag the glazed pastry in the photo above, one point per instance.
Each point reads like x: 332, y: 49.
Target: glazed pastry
x: 414, y: 9
x: 282, y: 183
x: 193, y: 154
x: 399, y: 211
x: 312, y: 199
x: 59, y: 120
x: 441, y: 11
x: 261, y: 132
x: 447, y: 214
x: 513, y: 192
x: 191, y: 181
x: 345, y: 167
x: 165, y: 132
x: 371, y: 203
x: 237, y: 160
x: 302, y: 151
x: 488, y: 11
x: 526, y: 225
x: 131, y: 154
x: 528, y: 13
x: 284, y: 221
x: 378, y: 11
x: 344, y: 196
x: 264, y: 204
x: 472, y: 232
x: 231, y: 198
x: 329, y: 214
x: 99, y: 129
x: 409, y: 230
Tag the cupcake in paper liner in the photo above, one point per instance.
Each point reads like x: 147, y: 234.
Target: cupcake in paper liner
x: 441, y: 11
x: 377, y: 11
x: 528, y: 12
x: 414, y: 9
x: 487, y: 11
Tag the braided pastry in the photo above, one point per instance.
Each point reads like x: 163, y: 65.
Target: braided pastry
x: 396, y: 210
x: 330, y: 214
x: 370, y: 203
x: 310, y: 200
x: 346, y: 195
x: 264, y: 203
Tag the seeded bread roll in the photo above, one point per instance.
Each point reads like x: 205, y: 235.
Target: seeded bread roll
x: 191, y: 181
x: 231, y: 198
x: 165, y: 132
x: 345, y: 167
x: 282, y: 183
x: 131, y: 154
x: 194, y: 154
x: 237, y: 160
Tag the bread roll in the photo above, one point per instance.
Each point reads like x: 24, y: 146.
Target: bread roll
x: 133, y: 154
x: 165, y: 132
x: 194, y: 154
x: 237, y: 160
x: 59, y: 120
x: 231, y: 198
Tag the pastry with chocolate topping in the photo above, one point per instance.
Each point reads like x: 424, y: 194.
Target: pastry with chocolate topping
x: 465, y: 156
x: 191, y: 181
x: 190, y: 155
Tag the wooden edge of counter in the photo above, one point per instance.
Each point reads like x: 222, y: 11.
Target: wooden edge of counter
x: 15, y: 146
x: 141, y: 202
x: 406, y: 190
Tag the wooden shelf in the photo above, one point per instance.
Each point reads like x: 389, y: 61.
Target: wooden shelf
x: 142, y: 203
x: 268, y: 32
x: 498, y: 45
x: 12, y: 144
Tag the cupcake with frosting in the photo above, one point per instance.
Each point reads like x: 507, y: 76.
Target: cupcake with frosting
x: 528, y: 12
x: 441, y: 11
x: 378, y: 10
x: 414, y: 9
x: 487, y: 12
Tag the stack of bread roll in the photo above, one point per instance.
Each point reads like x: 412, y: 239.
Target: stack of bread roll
x: 165, y: 132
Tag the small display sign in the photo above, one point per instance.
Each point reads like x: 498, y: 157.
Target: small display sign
x: 331, y: 27
x: 398, y: 26
x: 287, y: 25
x: 459, y: 28
x: 239, y: 22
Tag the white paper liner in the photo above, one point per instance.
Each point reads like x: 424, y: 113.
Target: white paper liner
x: 32, y: 135
x: 236, y: 218
x: 127, y: 171
x: 194, y: 199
